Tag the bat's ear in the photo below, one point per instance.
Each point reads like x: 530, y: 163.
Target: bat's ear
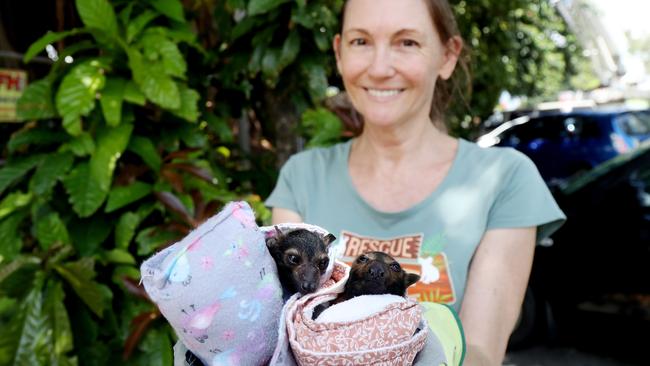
x: 329, y: 239
x: 410, y: 279
x: 273, y: 242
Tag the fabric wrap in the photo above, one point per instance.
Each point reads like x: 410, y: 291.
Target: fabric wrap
x: 218, y: 287
x: 392, y: 336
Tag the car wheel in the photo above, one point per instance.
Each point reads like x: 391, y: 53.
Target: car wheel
x: 527, y: 323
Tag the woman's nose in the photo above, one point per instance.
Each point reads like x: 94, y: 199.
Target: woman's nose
x: 381, y: 64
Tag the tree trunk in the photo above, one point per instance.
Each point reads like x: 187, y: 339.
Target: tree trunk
x: 284, y: 120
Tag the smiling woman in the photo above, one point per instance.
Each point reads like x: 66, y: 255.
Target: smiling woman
x: 470, y: 215
x: 390, y: 54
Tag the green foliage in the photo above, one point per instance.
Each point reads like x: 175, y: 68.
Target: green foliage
x: 115, y: 161
x: 323, y: 126
x: 520, y: 46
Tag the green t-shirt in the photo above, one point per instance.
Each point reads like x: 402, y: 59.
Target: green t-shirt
x: 484, y: 189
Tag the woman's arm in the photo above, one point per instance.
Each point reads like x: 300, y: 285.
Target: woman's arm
x: 495, y: 290
x: 281, y: 215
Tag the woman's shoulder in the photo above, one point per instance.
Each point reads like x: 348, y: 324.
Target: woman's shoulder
x: 505, y: 157
x: 319, y: 156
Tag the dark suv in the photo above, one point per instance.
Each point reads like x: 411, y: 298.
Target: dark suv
x: 562, y: 144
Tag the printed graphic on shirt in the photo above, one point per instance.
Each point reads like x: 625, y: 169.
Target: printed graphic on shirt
x: 414, y: 255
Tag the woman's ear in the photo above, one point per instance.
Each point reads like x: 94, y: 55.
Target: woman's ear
x: 336, y: 45
x: 453, y: 48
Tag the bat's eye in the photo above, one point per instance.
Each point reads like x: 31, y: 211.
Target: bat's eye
x: 293, y: 259
x: 395, y: 267
x: 362, y: 259
x: 322, y: 265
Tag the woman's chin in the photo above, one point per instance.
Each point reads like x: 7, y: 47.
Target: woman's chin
x: 382, y: 121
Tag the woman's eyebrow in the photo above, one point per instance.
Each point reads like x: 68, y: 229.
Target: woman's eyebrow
x: 408, y: 31
x: 356, y: 30
x: 401, y: 32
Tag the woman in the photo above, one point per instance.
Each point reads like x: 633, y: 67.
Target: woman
x: 466, y: 217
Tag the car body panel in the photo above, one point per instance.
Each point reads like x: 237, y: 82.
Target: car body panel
x: 602, y: 253
x: 562, y: 144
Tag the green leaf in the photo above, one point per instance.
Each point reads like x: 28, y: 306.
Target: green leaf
x: 188, y: 110
x: 153, y: 81
x: 14, y: 201
x: 125, y: 229
x: 128, y: 222
x: 77, y: 93
x: 150, y: 239
x: 111, y: 100
x: 157, y: 348
x: 271, y: 66
x: 72, y: 124
x: 119, y: 256
x: 111, y: 143
x: 52, y: 169
x: 172, y: 9
x: 322, y: 40
x: 86, y: 193
x: 262, y: 6
x: 16, y: 265
x: 316, y: 76
x: 31, y: 325
x: 122, y: 271
x: 172, y: 59
x: 136, y: 25
x: 156, y: 46
x: 220, y: 127
x: 16, y: 169
x: 36, y: 101
x: 58, y: 320
x: 49, y: 38
x: 290, y: 49
x: 244, y: 27
x: 133, y: 95
x: 147, y: 151
x: 324, y: 127
x: 79, y: 276
x: 89, y: 234
x: 82, y: 145
x: 98, y: 14
x: 36, y: 136
x: 50, y: 230
x: 124, y: 195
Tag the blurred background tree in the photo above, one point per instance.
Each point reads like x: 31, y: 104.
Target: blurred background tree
x: 154, y: 113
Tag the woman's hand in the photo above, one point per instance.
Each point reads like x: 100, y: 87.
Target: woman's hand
x: 495, y: 290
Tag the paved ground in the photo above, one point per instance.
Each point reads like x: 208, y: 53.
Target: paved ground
x: 547, y: 356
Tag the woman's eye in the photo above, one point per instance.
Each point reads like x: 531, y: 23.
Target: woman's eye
x: 358, y: 42
x: 293, y: 259
x: 410, y: 43
x: 395, y: 267
x: 362, y: 259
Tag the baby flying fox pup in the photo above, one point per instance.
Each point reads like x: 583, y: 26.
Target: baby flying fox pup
x: 377, y: 273
x: 301, y: 258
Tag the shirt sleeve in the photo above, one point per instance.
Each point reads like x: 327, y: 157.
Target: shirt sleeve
x: 284, y: 194
x: 525, y: 200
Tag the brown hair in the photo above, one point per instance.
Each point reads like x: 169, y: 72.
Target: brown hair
x: 457, y: 85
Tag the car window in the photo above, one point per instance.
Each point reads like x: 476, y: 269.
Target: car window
x: 590, y: 128
x: 549, y: 128
x: 635, y: 123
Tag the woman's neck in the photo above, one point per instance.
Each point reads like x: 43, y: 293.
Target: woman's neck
x: 400, y: 143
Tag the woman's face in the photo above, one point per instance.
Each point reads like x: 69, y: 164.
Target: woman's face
x: 390, y: 56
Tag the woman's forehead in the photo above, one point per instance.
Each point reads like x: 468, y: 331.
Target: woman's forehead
x: 389, y: 16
